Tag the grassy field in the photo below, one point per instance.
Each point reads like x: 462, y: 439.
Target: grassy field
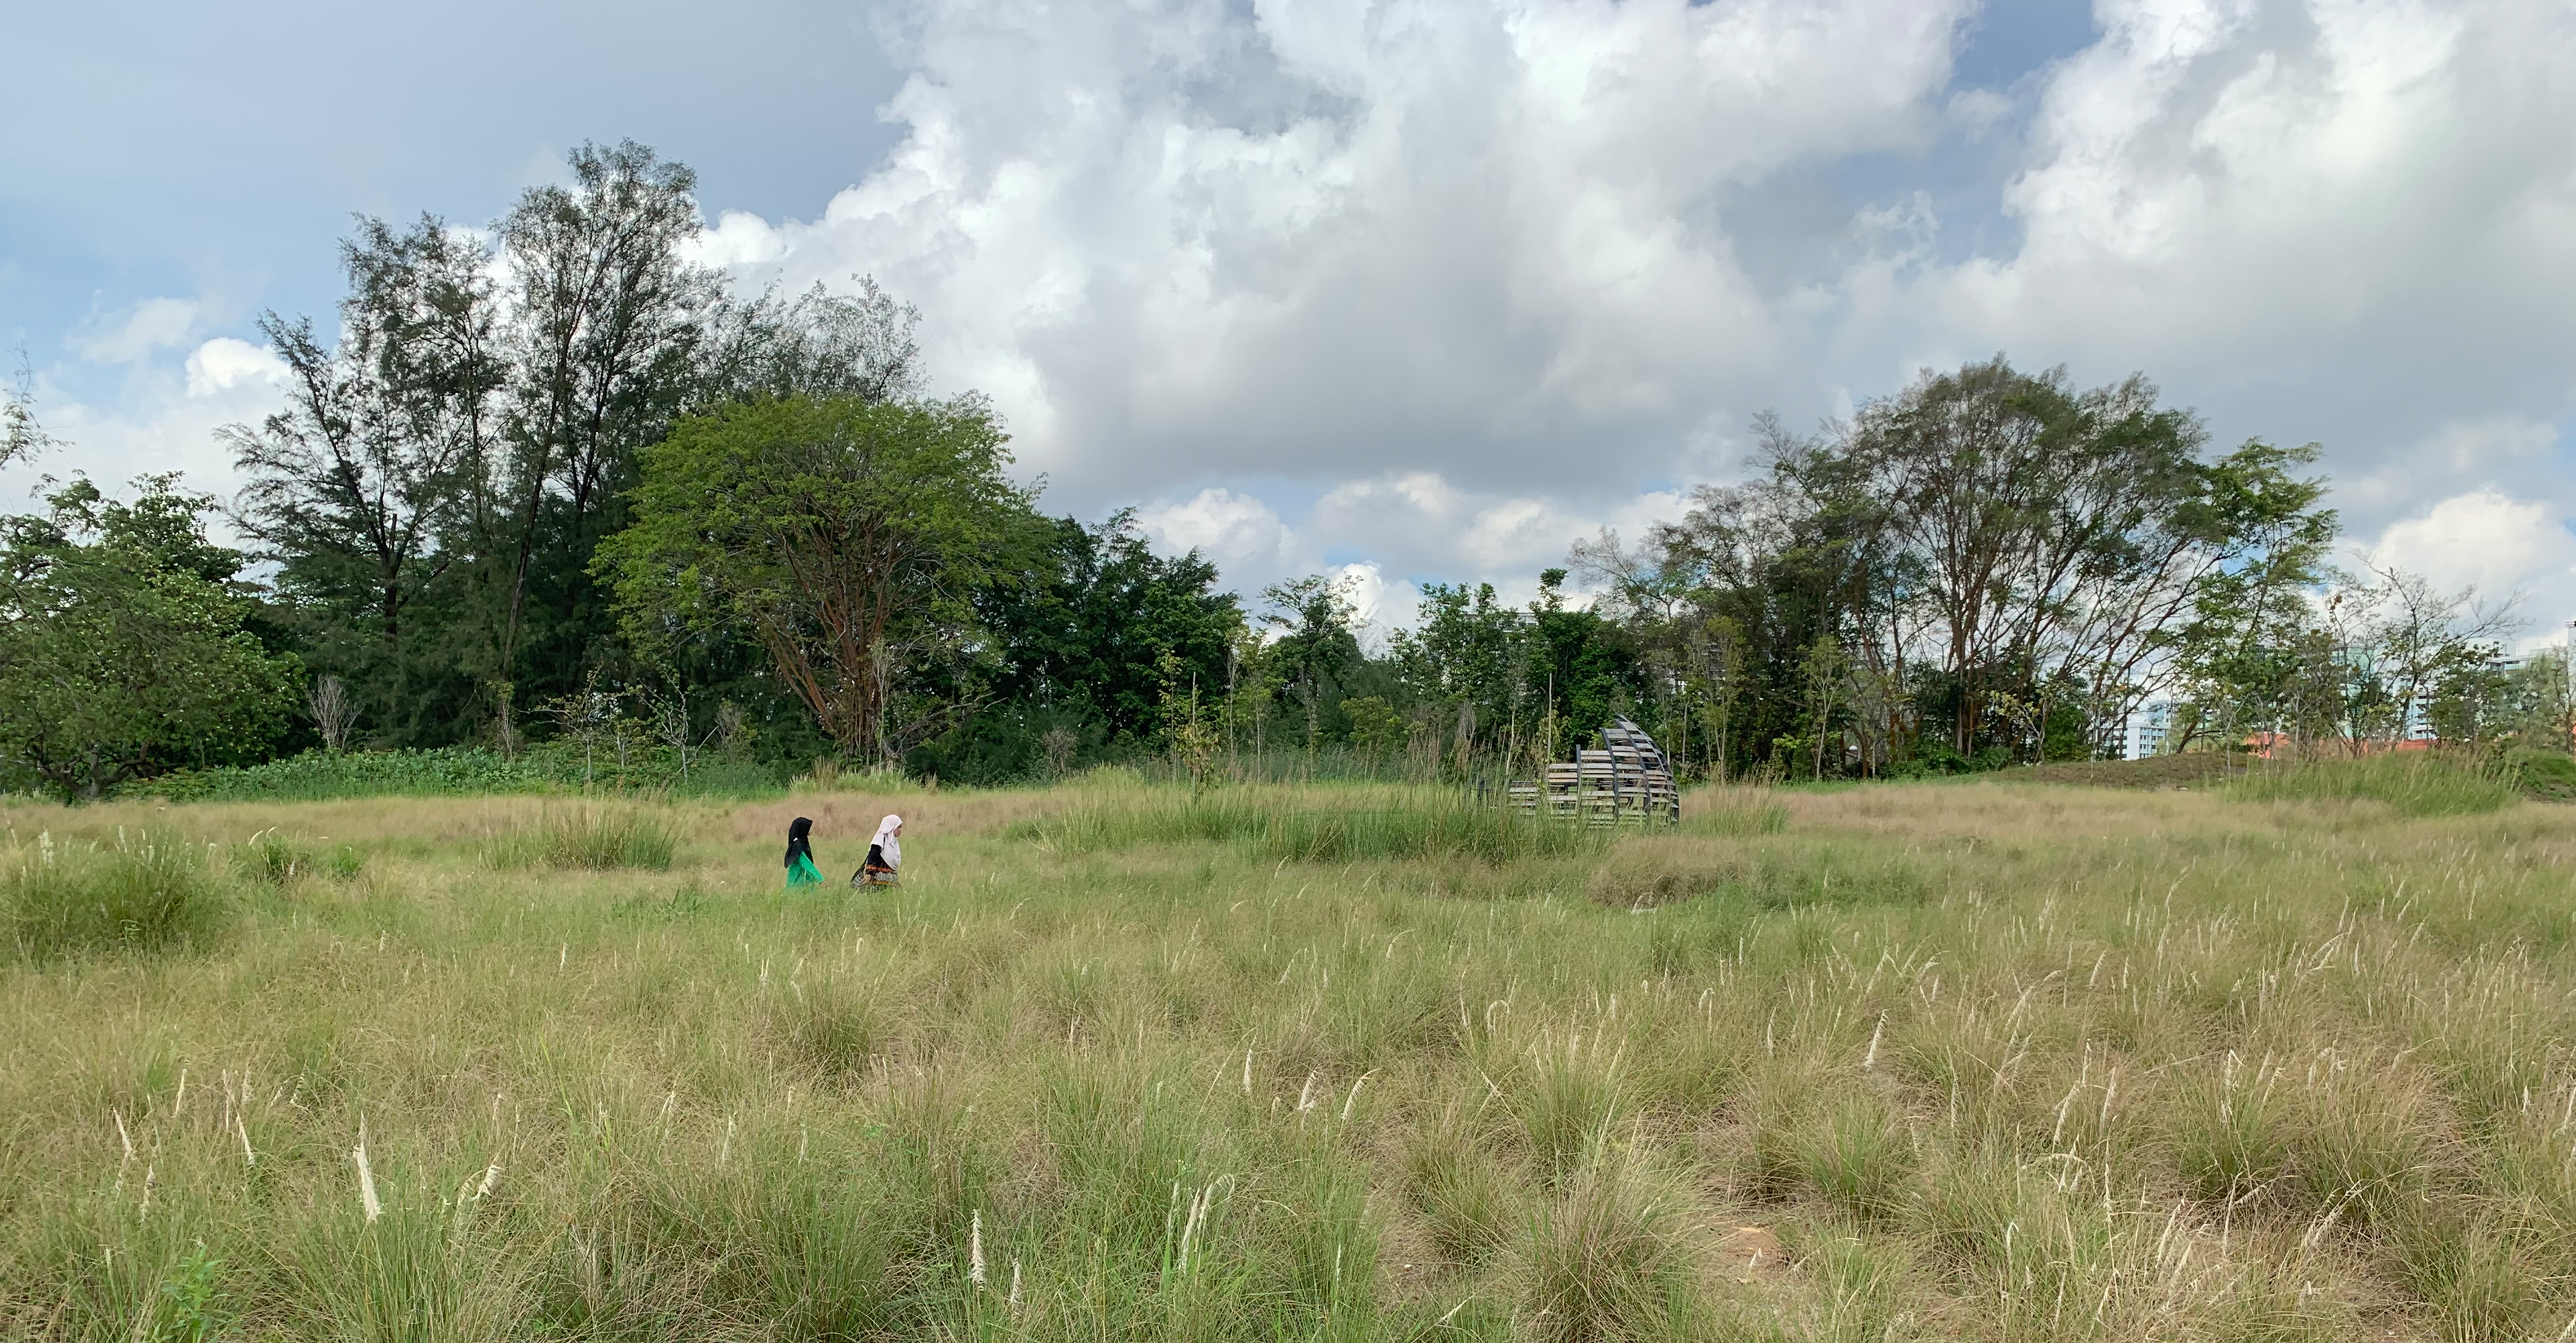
x: 1987, y: 1061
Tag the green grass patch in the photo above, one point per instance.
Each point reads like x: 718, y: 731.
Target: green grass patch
x: 2415, y: 783
x: 1308, y: 826
x: 144, y: 894
x: 593, y: 838
x: 1996, y: 1064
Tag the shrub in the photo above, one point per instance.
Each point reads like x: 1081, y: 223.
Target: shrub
x: 548, y: 767
x: 142, y: 895
x: 598, y: 838
x: 1606, y: 1260
x: 272, y: 858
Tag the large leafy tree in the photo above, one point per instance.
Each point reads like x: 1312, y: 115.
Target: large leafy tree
x: 847, y: 538
x: 1314, y: 647
x: 449, y: 458
x: 123, y: 650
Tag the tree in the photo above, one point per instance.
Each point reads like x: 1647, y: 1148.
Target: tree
x: 846, y: 538
x: 1468, y: 660
x: 2040, y: 526
x: 435, y: 491
x: 607, y: 320
x: 1314, y: 644
x: 1087, y: 629
x: 122, y: 647
x: 2237, y: 650
x: 2403, y: 639
x: 384, y: 435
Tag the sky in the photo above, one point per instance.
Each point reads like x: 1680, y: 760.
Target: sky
x: 1411, y: 290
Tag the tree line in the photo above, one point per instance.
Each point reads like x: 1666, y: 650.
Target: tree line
x: 550, y: 484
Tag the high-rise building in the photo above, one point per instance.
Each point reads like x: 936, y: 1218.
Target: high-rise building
x: 2147, y: 731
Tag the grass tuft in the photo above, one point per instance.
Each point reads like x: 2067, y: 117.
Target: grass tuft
x: 146, y: 894
x: 594, y: 838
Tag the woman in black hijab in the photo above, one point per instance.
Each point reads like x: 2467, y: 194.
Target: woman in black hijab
x: 800, y: 855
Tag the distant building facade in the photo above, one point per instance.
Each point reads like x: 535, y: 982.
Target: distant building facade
x: 2149, y: 730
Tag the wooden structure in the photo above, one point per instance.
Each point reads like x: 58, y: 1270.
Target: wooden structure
x: 1625, y: 782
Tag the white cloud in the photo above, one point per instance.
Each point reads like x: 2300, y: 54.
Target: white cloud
x: 153, y: 324
x: 738, y: 240
x: 1334, y: 240
x: 1380, y: 604
x: 1482, y: 276
x: 162, y: 420
x: 1490, y: 274
x: 1238, y: 532
x: 223, y: 364
x: 1427, y: 526
x: 2485, y: 539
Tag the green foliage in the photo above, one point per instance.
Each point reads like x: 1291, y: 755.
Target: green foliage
x: 550, y: 767
x: 2546, y: 775
x: 842, y: 536
x: 1377, y: 730
x: 144, y: 894
x: 191, y: 1305
x: 123, y: 650
x: 1088, y: 629
x: 2415, y: 783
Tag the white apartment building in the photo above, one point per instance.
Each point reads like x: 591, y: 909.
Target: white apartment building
x: 2147, y: 730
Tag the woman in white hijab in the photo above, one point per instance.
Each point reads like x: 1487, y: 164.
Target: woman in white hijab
x: 885, y: 854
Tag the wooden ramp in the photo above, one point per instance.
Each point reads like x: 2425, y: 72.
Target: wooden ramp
x: 1625, y: 782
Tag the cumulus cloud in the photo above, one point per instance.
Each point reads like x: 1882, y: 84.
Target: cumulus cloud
x: 2484, y: 539
x: 1486, y: 276
x: 1322, y: 240
x: 163, y: 420
x: 2346, y: 220
x: 1241, y: 534
x: 1428, y: 289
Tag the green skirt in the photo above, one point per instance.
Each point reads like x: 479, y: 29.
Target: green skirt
x: 802, y: 873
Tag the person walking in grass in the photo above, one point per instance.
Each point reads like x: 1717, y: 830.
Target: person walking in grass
x: 885, y: 855
x: 800, y: 855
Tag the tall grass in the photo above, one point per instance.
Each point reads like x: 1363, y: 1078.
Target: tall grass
x: 144, y: 893
x: 2415, y: 783
x: 1317, y: 826
x: 597, y: 838
x: 1993, y: 1063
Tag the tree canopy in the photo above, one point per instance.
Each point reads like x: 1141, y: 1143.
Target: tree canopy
x: 846, y: 538
x: 552, y: 476
x: 123, y: 646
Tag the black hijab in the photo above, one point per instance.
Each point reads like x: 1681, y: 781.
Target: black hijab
x: 796, y: 845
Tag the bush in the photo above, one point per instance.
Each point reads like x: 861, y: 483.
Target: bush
x: 598, y: 839
x: 142, y: 895
x: 548, y: 767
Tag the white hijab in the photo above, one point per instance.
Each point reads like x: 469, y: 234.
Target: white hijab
x: 886, y: 841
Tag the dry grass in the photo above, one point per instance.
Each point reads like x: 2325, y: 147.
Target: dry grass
x: 1993, y: 1061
